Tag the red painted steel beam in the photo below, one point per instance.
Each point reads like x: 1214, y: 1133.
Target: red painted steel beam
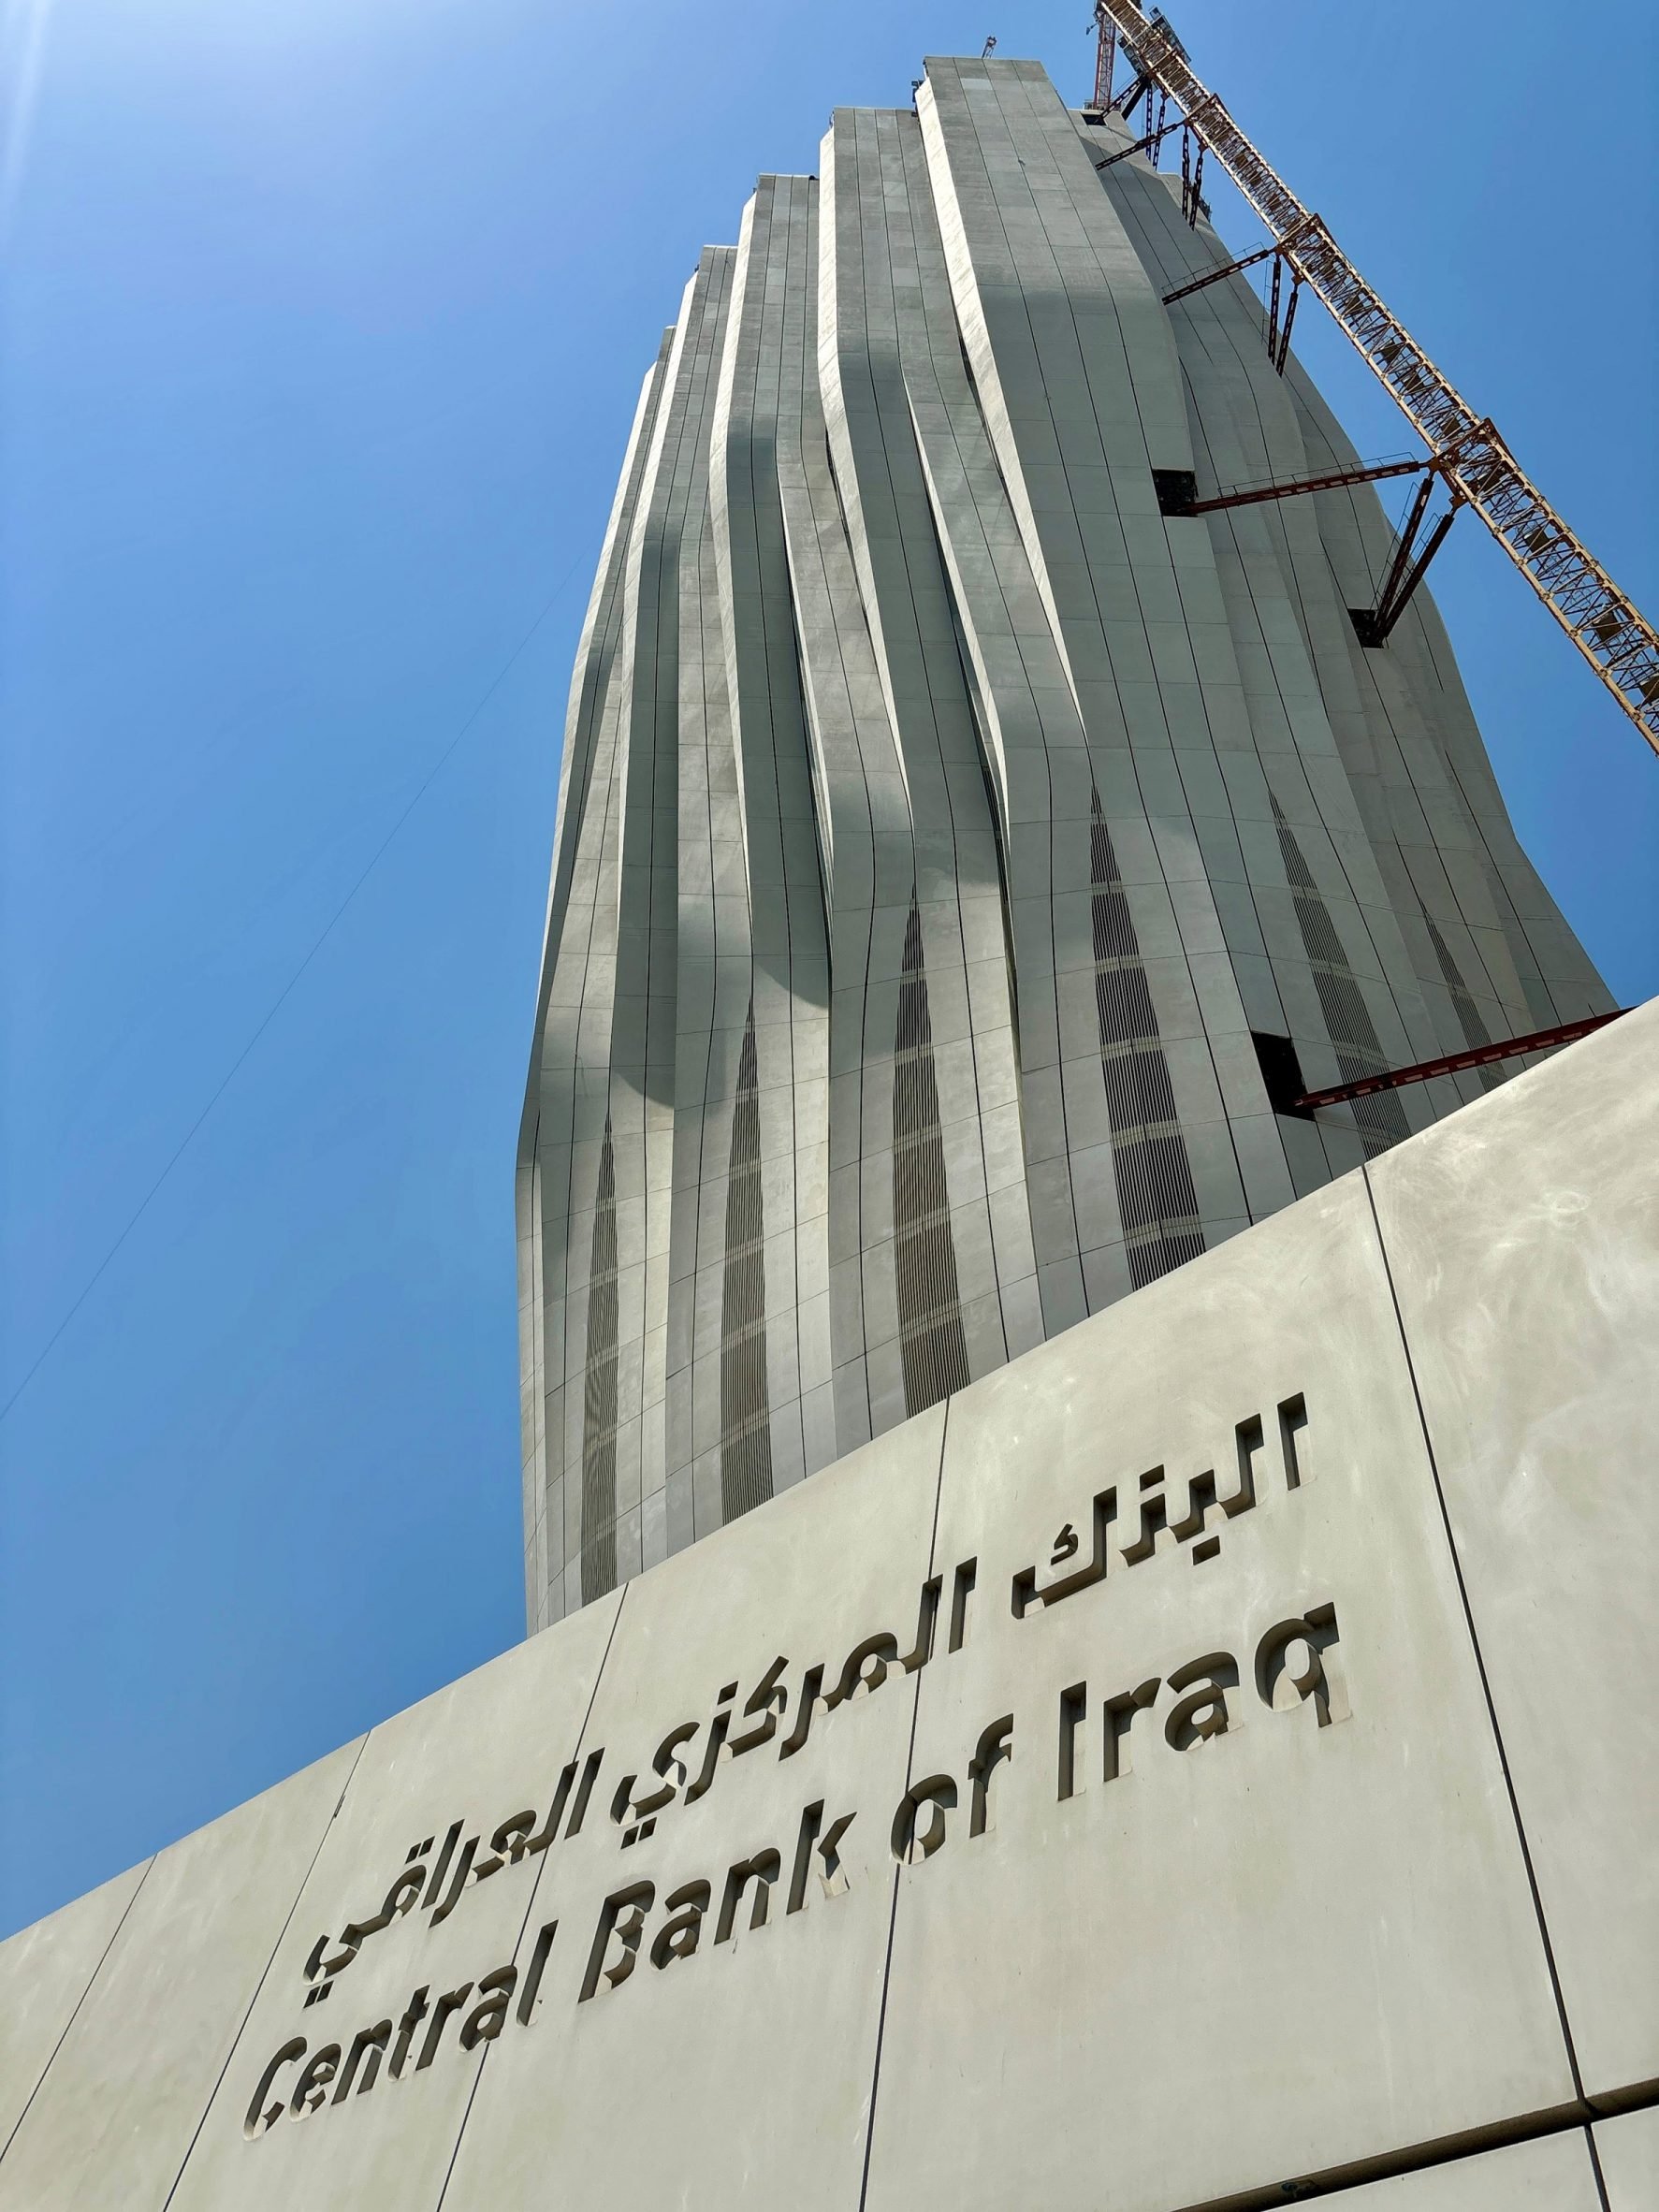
x: 1480, y: 1055
x: 1215, y: 275
x: 1333, y: 481
x: 1152, y: 139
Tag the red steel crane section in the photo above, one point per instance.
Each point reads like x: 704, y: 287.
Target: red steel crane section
x: 1616, y: 640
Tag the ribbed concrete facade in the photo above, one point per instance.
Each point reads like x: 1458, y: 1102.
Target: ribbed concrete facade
x: 942, y: 825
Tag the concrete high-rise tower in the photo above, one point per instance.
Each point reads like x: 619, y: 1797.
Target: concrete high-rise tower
x: 1192, y: 1763
x: 951, y: 840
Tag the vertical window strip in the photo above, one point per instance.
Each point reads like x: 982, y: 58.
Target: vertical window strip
x: 1381, y: 1119
x: 933, y: 1348
x: 1155, y: 1195
x: 746, y: 1421
x: 1475, y: 1030
x: 599, y: 1395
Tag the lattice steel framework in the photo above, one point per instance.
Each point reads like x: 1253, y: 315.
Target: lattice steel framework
x: 1616, y: 640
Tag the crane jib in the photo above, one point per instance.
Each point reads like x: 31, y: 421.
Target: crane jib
x: 1616, y: 640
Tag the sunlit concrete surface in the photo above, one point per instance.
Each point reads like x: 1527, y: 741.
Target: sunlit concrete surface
x: 1204, y: 1762
x: 947, y: 831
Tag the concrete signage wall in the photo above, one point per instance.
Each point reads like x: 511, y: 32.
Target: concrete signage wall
x: 1206, y: 1762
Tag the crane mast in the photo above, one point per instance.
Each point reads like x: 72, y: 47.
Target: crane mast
x: 1478, y: 469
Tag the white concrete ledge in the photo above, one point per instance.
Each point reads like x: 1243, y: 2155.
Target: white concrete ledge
x: 1209, y: 1762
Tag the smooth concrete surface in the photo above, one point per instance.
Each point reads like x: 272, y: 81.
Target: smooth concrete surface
x: 491, y: 1746
x: 750, y: 2057
x: 46, y: 1971
x: 1628, y: 2148
x: 1296, y: 1896
x: 1524, y: 1241
x: 1086, y: 1794
x: 118, y: 2113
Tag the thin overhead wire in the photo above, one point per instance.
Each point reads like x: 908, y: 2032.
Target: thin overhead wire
x: 287, y: 990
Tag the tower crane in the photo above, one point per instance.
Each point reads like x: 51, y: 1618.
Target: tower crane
x: 1465, y: 450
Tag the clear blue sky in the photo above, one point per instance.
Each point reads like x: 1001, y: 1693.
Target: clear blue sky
x: 325, y: 323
